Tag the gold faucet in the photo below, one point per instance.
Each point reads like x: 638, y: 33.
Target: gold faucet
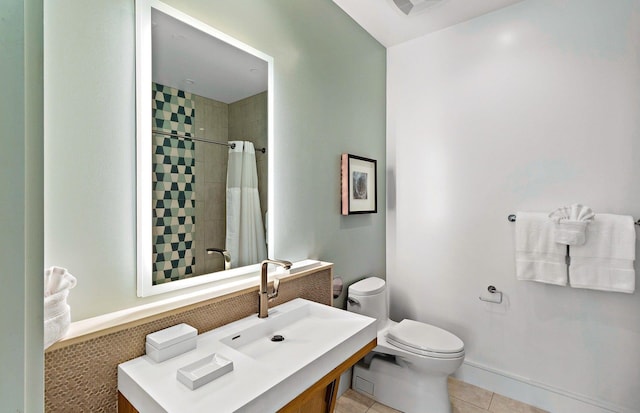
x: 263, y: 295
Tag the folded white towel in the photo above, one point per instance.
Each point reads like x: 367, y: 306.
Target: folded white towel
x: 605, y: 261
x: 571, y: 224
x: 538, y: 257
x: 57, y: 313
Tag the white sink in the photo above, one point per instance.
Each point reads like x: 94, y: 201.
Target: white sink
x: 298, y: 333
x: 267, y: 374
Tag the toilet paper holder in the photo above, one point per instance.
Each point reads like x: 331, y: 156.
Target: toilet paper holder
x: 494, y: 292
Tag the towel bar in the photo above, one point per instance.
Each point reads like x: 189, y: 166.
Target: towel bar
x: 512, y: 218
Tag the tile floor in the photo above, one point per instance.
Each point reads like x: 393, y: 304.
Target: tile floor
x: 465, y: 398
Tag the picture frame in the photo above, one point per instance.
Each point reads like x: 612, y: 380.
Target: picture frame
x: 358, y: 185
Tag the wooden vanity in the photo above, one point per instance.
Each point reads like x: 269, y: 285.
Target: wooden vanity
x: 321, y: 397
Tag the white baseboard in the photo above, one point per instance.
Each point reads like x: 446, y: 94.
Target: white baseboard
x: 545, y: 397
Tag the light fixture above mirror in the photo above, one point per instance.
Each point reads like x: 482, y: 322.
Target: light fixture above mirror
x: 172, y: 188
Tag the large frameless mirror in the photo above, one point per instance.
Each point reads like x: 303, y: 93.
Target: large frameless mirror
x: 204, y: 152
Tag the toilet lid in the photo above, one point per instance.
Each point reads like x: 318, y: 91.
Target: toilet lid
x: 368, y: 286
x: 424, y: 338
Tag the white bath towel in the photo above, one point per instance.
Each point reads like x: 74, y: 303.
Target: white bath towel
x: 57, y: 313
x: 605, y: 261
x: 538, y: 257
x: 571, y: 224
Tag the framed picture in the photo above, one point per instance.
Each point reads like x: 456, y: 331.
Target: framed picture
x: 359, y: 195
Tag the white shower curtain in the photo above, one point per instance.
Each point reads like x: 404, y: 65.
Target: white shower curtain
x: 245, y: 230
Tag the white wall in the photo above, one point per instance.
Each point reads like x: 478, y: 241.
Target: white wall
x: 329, y: 99
x: 531, y: 107
x: 21, y: 183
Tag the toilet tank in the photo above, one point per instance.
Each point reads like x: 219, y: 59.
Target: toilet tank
x: 369, y: 297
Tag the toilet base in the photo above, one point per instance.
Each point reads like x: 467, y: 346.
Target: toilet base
x: 391, y: 382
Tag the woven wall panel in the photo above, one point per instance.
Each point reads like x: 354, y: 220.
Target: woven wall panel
x: 82, y: 377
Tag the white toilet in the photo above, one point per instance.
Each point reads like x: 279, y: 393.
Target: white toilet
x: 408, y: 369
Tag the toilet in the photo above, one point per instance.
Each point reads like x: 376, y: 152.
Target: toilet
x: 408, y: 369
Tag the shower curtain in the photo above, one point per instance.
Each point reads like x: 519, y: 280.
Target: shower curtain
x: 245, y: 230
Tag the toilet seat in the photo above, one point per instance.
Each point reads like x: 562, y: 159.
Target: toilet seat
x: 425, y: 340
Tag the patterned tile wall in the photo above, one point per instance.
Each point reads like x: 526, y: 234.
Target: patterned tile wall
x: 82, y: 377
x: 173, y: 185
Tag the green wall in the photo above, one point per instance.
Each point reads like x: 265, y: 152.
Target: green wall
x: 329, y: 99
x: 21, y: 204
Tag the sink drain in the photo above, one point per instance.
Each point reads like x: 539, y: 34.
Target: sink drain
x: 277, y: 337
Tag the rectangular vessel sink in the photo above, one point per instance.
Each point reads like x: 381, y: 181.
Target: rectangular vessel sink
x: 266, y: 374
x: 299, y: 333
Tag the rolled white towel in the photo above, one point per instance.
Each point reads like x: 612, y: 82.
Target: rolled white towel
x: 57, y: 313
x: 57, y: 279
x: 55, y: 327
x: 570, y: 224
x: 55, y: 304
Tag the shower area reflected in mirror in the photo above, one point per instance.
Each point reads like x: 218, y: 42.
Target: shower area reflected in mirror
x: 209, y: 143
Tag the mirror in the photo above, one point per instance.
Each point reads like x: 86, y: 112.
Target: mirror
x: 204, y: 152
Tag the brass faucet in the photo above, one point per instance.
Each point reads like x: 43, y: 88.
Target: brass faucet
x: 263, y: 295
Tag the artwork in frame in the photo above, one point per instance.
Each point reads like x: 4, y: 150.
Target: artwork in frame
x: 359, y: 185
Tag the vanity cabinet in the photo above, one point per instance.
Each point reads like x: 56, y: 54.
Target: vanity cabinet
x: 319, y: 398
x: 124, y: 406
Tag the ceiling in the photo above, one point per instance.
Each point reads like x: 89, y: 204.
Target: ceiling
x: 191, y: 60
x: 390, y: 26
x: 188, y: 59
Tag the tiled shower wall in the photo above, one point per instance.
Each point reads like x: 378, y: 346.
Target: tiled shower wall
x: 244, y: 120
x: 211, y: 186
x: 190, y: 177
x: 173, y: 185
